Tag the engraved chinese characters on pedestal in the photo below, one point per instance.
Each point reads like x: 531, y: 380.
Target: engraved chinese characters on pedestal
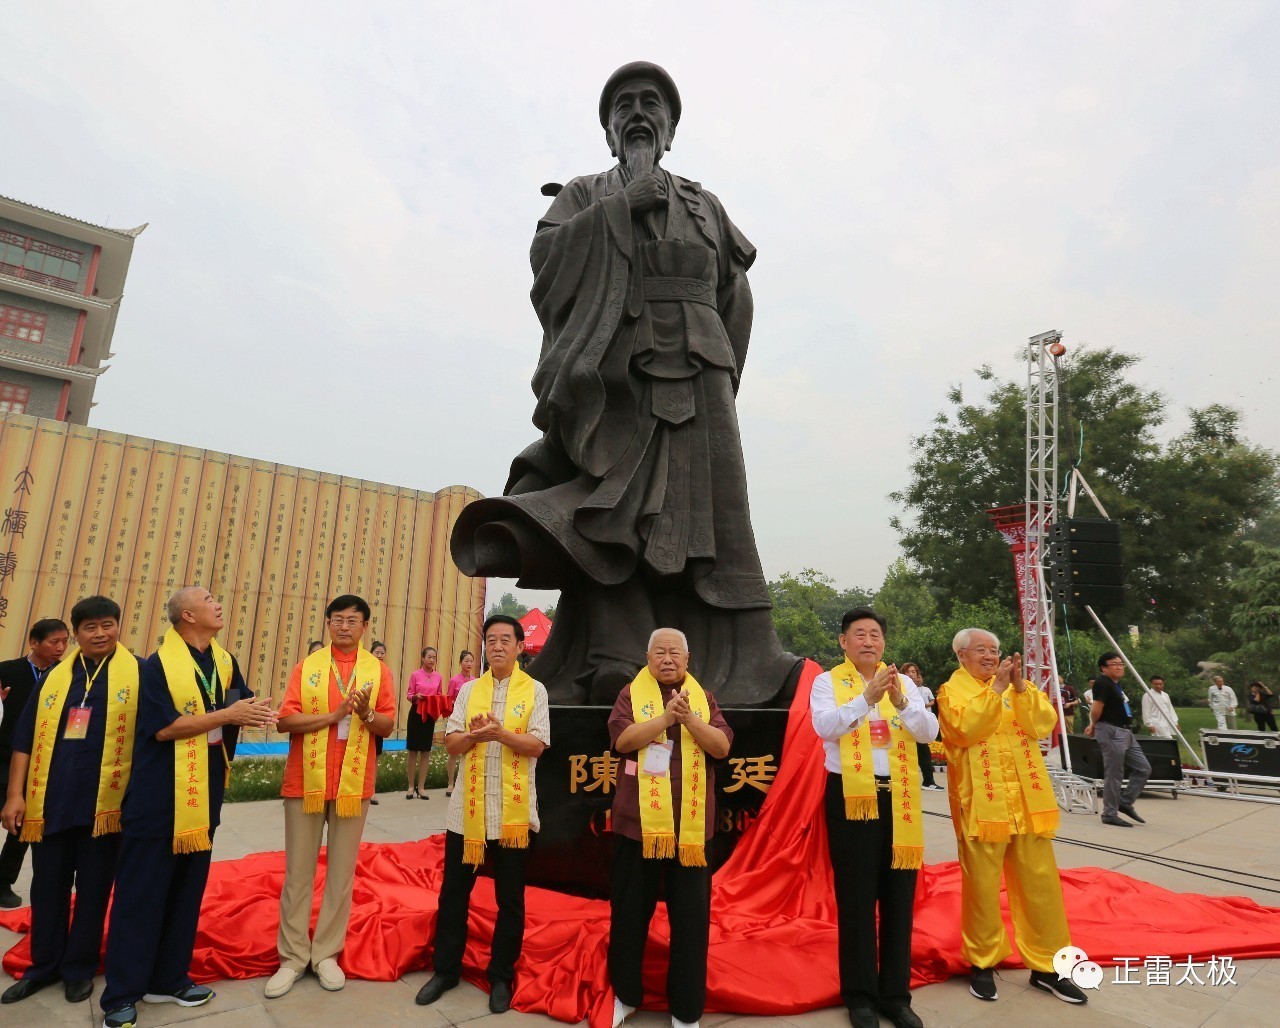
x: 634, y: 501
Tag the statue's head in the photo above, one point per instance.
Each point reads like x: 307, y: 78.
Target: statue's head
x: 639, y: 109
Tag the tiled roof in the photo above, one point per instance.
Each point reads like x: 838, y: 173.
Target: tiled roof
x: 62, y: 366
x: 127, y: 233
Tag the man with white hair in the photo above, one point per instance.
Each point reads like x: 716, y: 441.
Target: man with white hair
x: 1005, y: 815
x: 667, y: 729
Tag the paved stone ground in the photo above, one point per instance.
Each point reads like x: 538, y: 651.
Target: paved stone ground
x: 1240, y: 835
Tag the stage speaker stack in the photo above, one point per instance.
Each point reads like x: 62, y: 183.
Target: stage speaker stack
x: 1085, y: 563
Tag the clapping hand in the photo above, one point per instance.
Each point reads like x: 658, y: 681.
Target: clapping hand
x: 485, y: 728
x: 252, y: 713
x: 1003, y: 675
x: 678, y: 707
x: 1016, y: 675
x: 897, y: 696
x: 360, y: 701
x: 881, y: 683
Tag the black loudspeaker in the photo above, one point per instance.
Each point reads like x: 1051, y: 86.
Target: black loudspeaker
x: 1099, y: 596
x: 1086, y: 553
x: 1089, y: 574
x: 1087, y: 530
x: 1086, y: 563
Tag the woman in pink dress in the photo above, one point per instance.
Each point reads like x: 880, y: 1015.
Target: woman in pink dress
x: 467, y: 663
x: 420, y: 727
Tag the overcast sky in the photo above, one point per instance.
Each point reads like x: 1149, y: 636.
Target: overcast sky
x: 341, y: 199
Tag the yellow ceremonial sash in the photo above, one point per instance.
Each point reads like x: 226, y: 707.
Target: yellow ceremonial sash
x: 857, y: 772
x: 117, y: 746
x: 191, y: 755
x: 989, y: 816
x: 516, y: 781
x: 657, y: 817
x: 315, y: 756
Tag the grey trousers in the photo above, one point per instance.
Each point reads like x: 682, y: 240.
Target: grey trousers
x: 1120, y: 748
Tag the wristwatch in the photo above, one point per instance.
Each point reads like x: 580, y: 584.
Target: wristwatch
x: 368, y: 718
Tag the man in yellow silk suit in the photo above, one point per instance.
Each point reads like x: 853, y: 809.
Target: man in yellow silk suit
x: 1005, y: 814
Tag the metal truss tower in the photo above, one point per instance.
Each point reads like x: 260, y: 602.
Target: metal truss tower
x: 1039, y: 660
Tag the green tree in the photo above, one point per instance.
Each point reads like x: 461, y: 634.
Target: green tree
x: 508, y: 605
x: 1183, y: 508
x: 1255, y: 617
x: 806, y: 613
x: 905, y: 599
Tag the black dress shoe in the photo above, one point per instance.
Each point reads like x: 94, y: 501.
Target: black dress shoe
x: 23, y: 988
x: 864, y: 1017
x: 1118, y: 822
x: 9, y: 899
x: 499, y: 997
x: 902, y: 1016
x: 1127, y: 810
x: 437, y: 985
x: 78, y: 992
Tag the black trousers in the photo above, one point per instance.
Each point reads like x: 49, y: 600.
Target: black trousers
x: 507, y: 865
x: 153, y: 920
x: 926, y: 763
x: 14, y: 849
x: 1265, y: 722
x: 62, y: 945
x: 861, y: 859
x: 636, y: 884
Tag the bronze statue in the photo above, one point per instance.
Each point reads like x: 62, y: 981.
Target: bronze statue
x: 634, y: 501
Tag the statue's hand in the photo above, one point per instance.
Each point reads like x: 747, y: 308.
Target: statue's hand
x: 646, y: 193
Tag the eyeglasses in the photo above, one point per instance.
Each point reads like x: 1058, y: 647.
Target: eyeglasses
x: 983, y: 651
x: 351, y: 622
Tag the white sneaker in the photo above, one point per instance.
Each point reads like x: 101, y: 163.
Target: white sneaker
x: 330, y: 975
x: 677, y: 1023
x: 621, y: 1011
x: 281, y: 982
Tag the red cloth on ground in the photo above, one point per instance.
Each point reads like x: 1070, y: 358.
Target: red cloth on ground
x: 773, y: 931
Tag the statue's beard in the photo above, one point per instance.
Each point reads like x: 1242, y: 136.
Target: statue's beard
x: 638, y: 156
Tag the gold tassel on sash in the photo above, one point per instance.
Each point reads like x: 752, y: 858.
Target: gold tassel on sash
x: 989, y: 810
x: 857, y: 771
x: 316, y: 670
x: 117, y: 745
x: 516, y: 781
x: 657, y: 817
x: 191, y: 755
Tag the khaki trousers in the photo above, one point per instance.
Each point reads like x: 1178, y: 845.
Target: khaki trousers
x: 302, y: 834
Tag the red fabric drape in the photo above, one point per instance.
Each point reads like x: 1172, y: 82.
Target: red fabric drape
x: 773, y: 932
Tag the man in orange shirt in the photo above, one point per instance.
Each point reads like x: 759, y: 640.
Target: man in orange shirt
x: 337, y: 701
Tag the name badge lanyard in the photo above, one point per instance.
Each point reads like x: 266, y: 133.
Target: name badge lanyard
x: 39, y: 675
x: 350, y: 683
x: 211, y: 691
x: 89, y: 680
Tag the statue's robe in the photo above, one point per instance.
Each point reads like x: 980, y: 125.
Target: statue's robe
x: 637, y: 489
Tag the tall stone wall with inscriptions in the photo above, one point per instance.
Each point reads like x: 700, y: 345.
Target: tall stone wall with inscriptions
x: 87, y: 511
